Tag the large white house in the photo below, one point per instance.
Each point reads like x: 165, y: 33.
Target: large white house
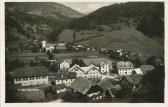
x: 27, y: 76
x: 104, y: 64
x: 90, y: 71
x: 127, y: 68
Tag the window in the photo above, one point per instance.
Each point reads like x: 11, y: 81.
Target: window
x: 38, y: 77
x: 24, y: 79
x: 43, y: 77
x: 31, y: 78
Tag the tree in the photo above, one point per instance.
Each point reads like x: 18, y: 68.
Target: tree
x: 53, y: 67
x: 133, y: 72
x: 69, y: 46
x: 151, y: 60
x: 35, y: 48
x: 137, y: 62
x: 51, y: 56
x: 10, y: 65
x: 78, y: 62
x: 21, y: 47
x: 43, y: 50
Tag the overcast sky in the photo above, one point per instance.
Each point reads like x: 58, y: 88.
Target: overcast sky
x: 86, y: 7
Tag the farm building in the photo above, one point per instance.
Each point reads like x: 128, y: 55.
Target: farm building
x: 27, y: 76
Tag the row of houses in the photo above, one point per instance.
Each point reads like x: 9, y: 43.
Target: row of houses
x: 37, y: 75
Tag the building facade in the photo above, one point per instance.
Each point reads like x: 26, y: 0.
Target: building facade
x: 125, y: 67
x: 90, y: 71
x: 28, y: 81
x: 64, y: 65
x: 27, y: 76
x: 105, y: 68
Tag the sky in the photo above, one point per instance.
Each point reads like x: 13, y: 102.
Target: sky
x: 86, y: 7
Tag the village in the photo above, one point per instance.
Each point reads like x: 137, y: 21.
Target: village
x: 104, y: 78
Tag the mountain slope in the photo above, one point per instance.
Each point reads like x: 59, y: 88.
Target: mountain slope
x: 148, y: 17
x: 35, y: 20
x: 43, y: 9
x: 129, y: 39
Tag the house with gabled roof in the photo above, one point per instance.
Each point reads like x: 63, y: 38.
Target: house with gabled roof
x: 131, y: 82
x: 64, y: 65
x: 90, y: 71
x: 78, y: 70
x: 81, y: 85
x: 105, y: 65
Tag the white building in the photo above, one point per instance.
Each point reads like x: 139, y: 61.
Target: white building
x: 28, y: 76
x: 77, y: 69
x: 127, y: 68
x: 90, y: 71
x: 64, y: 65
x: 105, y: 68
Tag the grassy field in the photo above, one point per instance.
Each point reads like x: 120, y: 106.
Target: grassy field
x: 31, y: 56
x: 129, y: 39
x: 66, y: 35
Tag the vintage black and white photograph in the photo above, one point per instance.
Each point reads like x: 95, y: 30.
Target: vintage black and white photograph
x: 84, y: 52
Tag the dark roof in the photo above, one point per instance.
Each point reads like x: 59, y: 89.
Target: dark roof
x: 65, y: 75
x: 106, y: 83
x: 81, y: 84
x: 147, y: 68
x: 96, y: 61
x: 66, y: 60
x: 124, y: 64
x: 94, y: 81
x: 30, y: 71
